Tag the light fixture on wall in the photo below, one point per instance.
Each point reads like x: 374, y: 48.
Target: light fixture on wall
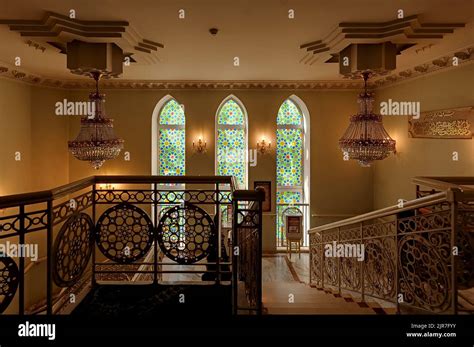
x: 96, y: 141
x: 366, y: 140
x: 200, y: 146
x: 263, y: 146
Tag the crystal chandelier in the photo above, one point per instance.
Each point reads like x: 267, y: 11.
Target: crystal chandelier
x: 96, y: 141
x: 366, y: 140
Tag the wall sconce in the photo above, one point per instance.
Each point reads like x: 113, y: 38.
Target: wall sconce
x: 263, y: 146
x: 200, y: 146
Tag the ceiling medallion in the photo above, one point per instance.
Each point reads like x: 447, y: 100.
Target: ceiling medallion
x: 96, y: 141
x: 366, y: 140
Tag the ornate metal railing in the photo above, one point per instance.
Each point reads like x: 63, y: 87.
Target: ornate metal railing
x: 247, y: 252
x: 416, y: 255
x: 109, y: 229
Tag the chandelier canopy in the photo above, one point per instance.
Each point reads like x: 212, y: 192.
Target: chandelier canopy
x: 96, y: 141
x: 366, y: 140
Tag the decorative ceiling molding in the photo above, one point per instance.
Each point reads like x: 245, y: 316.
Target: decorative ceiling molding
x: 464, y: 56
x: 55, y: 30
x: 350, y: 83
x: 405, y: 33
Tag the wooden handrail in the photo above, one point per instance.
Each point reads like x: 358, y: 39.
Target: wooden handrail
x: 387, y: 211
x: 445, y: 183
x: 55, y: 193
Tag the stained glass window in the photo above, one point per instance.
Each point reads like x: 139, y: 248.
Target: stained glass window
x: 232, y: 142
x: 289, y: 157
x: 172, y: 113
x: 172, y: 156
x: 231, y: 114
x: 289, y: 114
x: 171, y: 139
x: 289, y: 162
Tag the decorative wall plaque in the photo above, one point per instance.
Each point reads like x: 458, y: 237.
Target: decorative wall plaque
x: 455, y: 123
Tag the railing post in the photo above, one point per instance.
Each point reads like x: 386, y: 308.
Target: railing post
x: 155, y: 246
x: 49, y: 242
x: 454, y: 231
x: 339, y: 262
x: 362, y: 282
x: 397, y: 275
x: 259, y: 262
x: 310, y: 262
x: 323, y: 259
x: 218, y: 241
x: 21, y: 260
x: 235, y: 267
x: 93, y: 279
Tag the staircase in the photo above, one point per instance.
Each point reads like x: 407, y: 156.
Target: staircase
x: 310, y: 301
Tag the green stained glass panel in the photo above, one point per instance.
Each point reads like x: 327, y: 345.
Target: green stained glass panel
x: 286, y: 197
x: 289, y: 157
x: 172, y: 114
x: 289, y: 114
x: 231, y: 154
x: 231, y: 114
x: 172, y: 152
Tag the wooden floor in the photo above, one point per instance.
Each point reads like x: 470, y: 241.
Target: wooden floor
x: 286, y: 291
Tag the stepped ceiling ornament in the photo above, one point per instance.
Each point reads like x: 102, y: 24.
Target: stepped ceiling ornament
x: 366, y: 140
x: 56, y: 30
x: 404, y: 33
x: 96, y: 141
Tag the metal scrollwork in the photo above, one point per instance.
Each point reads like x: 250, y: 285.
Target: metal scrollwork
x: 124, y: 233
x: 72, y: 249
x: 186, y: 234
x: 424, y: 274
x: 9, y: 278
x: 379, y: 268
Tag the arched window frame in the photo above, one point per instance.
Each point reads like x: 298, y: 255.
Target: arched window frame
x: 304, y: 189
x: 155, y: 133
x: 155, y: 147
x: 233, y: 126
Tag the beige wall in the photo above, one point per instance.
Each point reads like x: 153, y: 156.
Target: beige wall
x: 337, y: 186
x: 424, y: 157
x: 29, y: 126
x: 15, y: 130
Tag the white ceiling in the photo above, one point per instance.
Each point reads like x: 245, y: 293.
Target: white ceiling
x: 258, y: 32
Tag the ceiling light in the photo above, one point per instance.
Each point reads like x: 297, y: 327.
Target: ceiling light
x: 96, y: 141
x: 366, y: 140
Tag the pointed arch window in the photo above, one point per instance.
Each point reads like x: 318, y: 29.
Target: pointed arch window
x: 231, y: 140
x: 171, y: 140
x: 292, y: 165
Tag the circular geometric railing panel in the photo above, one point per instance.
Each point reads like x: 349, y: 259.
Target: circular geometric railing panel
x: 379, y: 271
x: 9, y: 277
x: 425, y: 279
x: 124, y: 233
x: 72, y: 249
x: 186, y: 234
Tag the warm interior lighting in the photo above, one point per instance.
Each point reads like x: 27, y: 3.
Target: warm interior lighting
x: 263, y: 146
x: 200, y: 146
x: 96, y: 141
x: 366, y: 140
